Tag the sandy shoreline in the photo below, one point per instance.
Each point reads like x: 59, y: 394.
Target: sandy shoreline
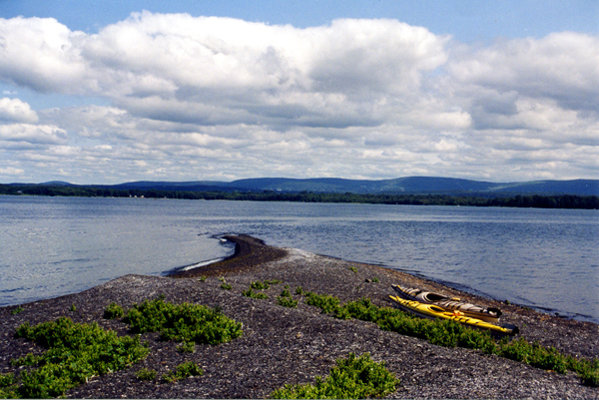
x: 293, y: 345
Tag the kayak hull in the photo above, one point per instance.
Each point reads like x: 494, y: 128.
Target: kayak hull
x: 489, y: 314
x: 434, y: 311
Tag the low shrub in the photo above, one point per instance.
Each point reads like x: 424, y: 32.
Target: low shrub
x: 183, y: 322
x: 351, y: 378
x: 257, y: 285
x: 535, y: 355
x: 452, y: 334
x: 8, y: 386
x: 146, y: 374
x: 113, y: 311
x: 255, y: 295
x: 286, y: 300
x: 182, y: 371
x: 16, y: 310
x: 186, y: 347
x: 74, y: 353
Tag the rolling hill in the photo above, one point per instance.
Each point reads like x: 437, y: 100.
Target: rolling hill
x: 406, y: 185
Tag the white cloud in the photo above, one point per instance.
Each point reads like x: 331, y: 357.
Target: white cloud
x: 219, y: 98
x: 34, y: 135
x: 42, y: 54
x: 15, y: 110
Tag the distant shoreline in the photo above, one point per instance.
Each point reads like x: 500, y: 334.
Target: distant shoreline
x: 563, y: 201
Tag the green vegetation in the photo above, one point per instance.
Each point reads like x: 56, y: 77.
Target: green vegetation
x: 186, y: 347
x: 351, y: 378
x: 557, y: 201
x: 183, y: 322
x: 74, y: 353
x: 182, y: 371
x: 257, y: 285
x: 8, y: 386
x: 286, y: 300
x: 146, y: 374
x: 452, y: 334
x: 255, y: 295
x: 16, y: 310
x: 113, y: 311
x: 256, y: 289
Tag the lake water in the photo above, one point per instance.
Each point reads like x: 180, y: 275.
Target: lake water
x: 547, y: 259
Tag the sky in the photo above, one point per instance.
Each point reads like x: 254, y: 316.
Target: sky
x: 117, y: 91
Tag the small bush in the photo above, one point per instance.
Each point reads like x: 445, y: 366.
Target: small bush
x: 257, y: 285
x: 8, y: 386
x: 286, y: 300
x: 113, y: 311
x: 146, y: 374
x: 186, y: 347
x: 451, y: 334
x: 16, y: 310
x: 590, y: 377
x: 328, y: 304
x: 183, y: 322
x: 226, y: 286
x: 182, y: 371
x: 535, y: 355
x: 74, y: 353
x: 351, y: 378
x: 255, y: 295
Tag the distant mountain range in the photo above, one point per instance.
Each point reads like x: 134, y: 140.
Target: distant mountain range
x: 407, y: 185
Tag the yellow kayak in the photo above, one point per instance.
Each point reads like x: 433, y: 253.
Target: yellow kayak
x: 489, y: 314
x: 434, y: 311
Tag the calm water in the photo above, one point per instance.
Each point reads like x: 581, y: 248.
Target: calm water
x: 547, y: 259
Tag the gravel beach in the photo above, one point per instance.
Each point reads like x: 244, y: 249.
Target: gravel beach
x: 283, y: 345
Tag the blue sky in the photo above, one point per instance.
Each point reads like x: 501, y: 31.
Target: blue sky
x: 467, y: 20
x: 112, y: 91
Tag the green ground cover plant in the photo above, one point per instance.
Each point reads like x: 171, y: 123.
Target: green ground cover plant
x: 8, y: 386
x: 182, y: 371
x: 74, y: 353
x: 286, y: 300
x: 17, y: 310
x: 257, y: 285
x: 184, y: 322
x: 186, y: 347
x: 113, y: 311
x: 452, y: 334
x: 351, y: 378
x: 146, y: 374
x: 254, y: 294
x: 256, y: 289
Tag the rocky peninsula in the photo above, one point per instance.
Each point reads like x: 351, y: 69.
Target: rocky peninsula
x: 283, y: 345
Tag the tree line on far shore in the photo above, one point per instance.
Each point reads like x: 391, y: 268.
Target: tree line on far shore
x: 482, y: 200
